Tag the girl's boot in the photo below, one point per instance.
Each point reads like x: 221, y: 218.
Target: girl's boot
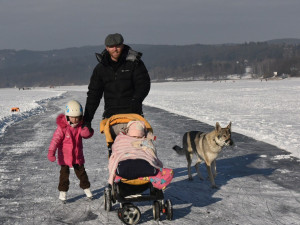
x: 63, y: 196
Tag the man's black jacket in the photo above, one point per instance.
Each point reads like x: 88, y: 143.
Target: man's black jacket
x: 124, y: 85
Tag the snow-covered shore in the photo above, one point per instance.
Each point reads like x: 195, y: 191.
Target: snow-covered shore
x: 264, y: 110
x: 28, y: 101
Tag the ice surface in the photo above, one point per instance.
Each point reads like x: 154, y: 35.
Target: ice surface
x: 265, y: 110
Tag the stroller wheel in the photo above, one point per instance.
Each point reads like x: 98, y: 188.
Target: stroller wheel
x: 169, y: 208
x: 129, y: 214
x: 107, y: 200
x: 156, y: 210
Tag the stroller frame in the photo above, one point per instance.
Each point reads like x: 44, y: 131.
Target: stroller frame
x: 118, y: 192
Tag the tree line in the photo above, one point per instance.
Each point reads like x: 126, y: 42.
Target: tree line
x: 74, y: 66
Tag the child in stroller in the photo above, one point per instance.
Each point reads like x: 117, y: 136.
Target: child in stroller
x: 134, y: 168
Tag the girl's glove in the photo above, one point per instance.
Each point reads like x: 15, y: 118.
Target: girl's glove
x: 51, y: 158
x: 88, y: 125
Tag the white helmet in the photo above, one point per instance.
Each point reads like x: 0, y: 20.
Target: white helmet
x: 73, y: 108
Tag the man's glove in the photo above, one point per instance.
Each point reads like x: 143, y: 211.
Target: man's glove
x: 88, y: 125
x: 51, y: 158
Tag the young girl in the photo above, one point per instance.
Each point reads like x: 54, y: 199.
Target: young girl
x: 67, y: 139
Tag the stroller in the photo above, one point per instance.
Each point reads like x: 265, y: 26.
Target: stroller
x: 125, y: 191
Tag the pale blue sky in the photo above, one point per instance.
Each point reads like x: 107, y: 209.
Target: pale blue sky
x: 56, y: 24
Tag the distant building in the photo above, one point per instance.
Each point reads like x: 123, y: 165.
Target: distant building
x: 248, y: 70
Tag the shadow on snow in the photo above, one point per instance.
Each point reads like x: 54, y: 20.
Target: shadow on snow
x: 198, y: 193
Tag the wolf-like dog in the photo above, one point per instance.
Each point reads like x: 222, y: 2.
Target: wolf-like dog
x: 206, y: 146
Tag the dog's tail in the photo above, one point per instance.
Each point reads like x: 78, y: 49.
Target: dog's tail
x: 179, y: 150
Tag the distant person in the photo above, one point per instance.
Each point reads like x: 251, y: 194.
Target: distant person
x: 121, y: 77
x: 67, y: 139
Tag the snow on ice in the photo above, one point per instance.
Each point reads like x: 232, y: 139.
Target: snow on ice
x: 264, y: 110
x: 258, y: 183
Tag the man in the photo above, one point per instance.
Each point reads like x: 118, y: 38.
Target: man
x: 121, y: 76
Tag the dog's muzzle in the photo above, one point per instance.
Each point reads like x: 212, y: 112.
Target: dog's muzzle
x: 228, y: 142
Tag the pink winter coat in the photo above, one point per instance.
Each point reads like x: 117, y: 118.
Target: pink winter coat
x: 68, y: 141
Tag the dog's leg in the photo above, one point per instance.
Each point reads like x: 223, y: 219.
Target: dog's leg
x: 197, y: 165
x: 211, y: 178
x: 188, y: 153
x: 214, y: 168
x: 189, y: 161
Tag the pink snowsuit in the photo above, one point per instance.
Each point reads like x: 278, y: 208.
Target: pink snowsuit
x: 68, y: 141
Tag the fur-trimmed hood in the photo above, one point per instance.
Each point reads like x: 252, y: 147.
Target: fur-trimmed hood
x: 62, y: 122
x: 127, y: 54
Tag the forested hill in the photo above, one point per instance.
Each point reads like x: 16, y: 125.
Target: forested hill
x: 73, y: 66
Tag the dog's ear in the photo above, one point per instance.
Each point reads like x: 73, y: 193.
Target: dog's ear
x: 218, y: 127
x: 229, y: 126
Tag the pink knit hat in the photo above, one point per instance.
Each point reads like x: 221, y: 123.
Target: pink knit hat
x: 136, y: 128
